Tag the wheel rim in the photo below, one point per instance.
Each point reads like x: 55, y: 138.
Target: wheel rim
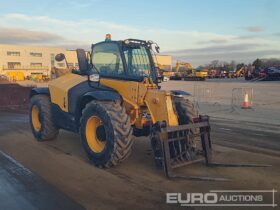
x: 35, y: 114
x: 94, y: 141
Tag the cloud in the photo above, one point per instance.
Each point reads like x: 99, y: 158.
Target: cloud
x: 246, y: 37
x: 197, y: 47
x: 25, y: 19
x: 246, y: 56
x: 90, y: 30
x: 75, y: 45
x: 214, y: 41
x: 23, y: 36
x: 217, y: 49
x: 253, y: 29
x: 242, y: 53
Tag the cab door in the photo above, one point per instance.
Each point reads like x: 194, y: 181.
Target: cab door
x: 107, y: 59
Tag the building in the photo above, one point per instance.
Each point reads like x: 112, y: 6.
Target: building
x: 71, y: 57
x: 164, y: 62
x: 21, y: 61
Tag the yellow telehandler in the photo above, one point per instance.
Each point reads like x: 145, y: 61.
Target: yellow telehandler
x: 115, y: 94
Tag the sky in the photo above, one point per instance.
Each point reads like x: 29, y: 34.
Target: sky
x: 195, y: 31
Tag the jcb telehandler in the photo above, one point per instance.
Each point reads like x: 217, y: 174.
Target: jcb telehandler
x: 114, y: 94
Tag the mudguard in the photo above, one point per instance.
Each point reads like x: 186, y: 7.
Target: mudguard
x: 180, y: 93
x: 97, y: 95
x: 36, y: 91
x: 103, y: 95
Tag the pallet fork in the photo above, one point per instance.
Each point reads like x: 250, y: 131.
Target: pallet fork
x: 176, y: 152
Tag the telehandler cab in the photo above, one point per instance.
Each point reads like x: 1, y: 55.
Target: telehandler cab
x: 114, y: 94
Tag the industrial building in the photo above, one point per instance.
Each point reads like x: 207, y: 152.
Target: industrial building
x: 22, y: 61
x: 164, y: 62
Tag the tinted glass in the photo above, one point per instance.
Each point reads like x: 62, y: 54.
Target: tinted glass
x: 137, y: 60
x: 107, y: 59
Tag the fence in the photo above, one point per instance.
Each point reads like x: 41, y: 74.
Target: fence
x: 239, y: 95
x: 203, y: 95
x: 207, y: 99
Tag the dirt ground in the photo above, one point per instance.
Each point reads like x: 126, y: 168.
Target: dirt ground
x: 239, y: 137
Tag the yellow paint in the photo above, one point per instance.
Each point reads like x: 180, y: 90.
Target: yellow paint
x: 37, y: 76
x: 94, y: 143
x: 146, y: 93
x: 59, y: 89
x: 127, y: 89
x: 185, y: 64
x: 15, y: 75
x: 201, y: 74
x: 160, y: 106
x: 240, y: 72
x: 136, y: 95
x: 133, y: 113
x: 35, y: 113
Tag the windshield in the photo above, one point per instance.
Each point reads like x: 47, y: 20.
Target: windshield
x: 137, y: 60
x: 106, y: 59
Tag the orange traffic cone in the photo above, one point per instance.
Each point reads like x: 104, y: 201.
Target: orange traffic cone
x: 246, y: 102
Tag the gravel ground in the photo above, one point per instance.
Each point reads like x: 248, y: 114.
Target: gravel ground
x: 239, y: 137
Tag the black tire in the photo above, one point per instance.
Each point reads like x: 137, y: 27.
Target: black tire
x: 185, y: 110
x: 157, y: 149
x: 48, y: 130
x: 186, y: 113
x: 118, y: 133
x: 141, y: 132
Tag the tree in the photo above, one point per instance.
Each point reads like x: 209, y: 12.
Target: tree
x: 239, y: 66
x: 214, y: 63
x: 232, y: 65
x: 225, y: 66
x: 270, y: 62
x: 258, y: 63
x: 200, y: 67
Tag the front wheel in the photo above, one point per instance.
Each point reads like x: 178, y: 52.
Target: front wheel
x: 41, y: 118
x: 186, y: 113
x: 106, y: 133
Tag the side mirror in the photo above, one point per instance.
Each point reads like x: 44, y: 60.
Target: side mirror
x: 157, y: 49
x: 159, y: 75
x: 59, y: 57
x: 83, y: 61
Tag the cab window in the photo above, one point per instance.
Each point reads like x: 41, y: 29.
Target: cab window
x: 137, y: 59
x: 107, y: 59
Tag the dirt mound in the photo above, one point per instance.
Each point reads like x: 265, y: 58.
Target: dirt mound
x: 3, y: 81
x: 14, y: 96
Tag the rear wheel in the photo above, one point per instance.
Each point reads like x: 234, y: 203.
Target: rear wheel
x: 106, y: 133
x: 186, y: 113
x: 41, y: 118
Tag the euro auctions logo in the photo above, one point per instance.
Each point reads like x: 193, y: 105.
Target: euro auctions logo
x: 248, y: 198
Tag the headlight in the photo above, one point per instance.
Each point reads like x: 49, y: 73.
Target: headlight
x: 94, y: 77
